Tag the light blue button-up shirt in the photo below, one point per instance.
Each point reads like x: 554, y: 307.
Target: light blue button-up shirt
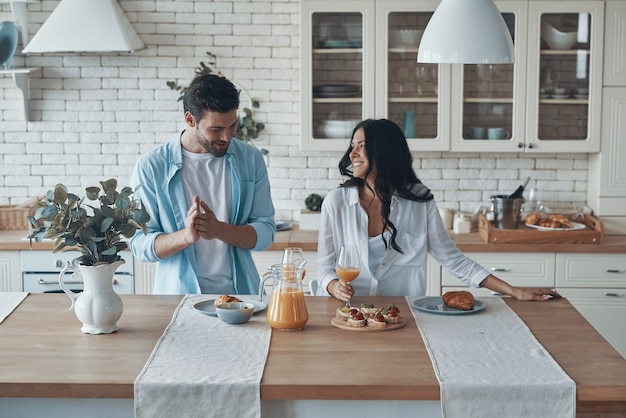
x: 157, y: 179
x: 420, y: 231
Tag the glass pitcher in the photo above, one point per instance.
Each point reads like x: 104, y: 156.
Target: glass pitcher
x: 287, y: 308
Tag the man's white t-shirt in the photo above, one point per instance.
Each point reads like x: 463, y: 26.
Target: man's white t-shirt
x: 208, y: 177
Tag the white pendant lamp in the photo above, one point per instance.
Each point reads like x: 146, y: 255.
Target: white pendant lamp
x: 466, y: 32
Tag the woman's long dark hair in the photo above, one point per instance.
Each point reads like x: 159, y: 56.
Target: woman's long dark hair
x: 387, y: 151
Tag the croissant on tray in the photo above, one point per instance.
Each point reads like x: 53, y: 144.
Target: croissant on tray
x: 225, y: 299
x: 460, y: 299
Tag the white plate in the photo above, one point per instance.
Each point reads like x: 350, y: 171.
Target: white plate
x: 575, y: 227
x: 283, y: 226
x: 560, y: 96
x: 434, y: 304
x: 207, y: 307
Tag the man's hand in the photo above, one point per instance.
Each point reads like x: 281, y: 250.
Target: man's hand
x: 205, y: 223
x: 190, y: 232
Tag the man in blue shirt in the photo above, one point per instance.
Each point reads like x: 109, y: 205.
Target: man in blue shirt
x: 209, y: 200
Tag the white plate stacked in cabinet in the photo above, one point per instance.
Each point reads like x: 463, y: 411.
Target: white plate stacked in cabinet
x: 596, y: 285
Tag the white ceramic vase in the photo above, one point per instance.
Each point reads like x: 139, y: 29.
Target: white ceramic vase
x: 98, y: 307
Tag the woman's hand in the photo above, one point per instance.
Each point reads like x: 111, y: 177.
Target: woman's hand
x: 340, y: 290
x: 491, y: 282
x: 540, y: 294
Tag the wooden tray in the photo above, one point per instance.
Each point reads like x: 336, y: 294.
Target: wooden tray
x: 592, y: 234
x: 344, y: 325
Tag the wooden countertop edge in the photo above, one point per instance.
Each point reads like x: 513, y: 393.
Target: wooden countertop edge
x: 307, y: 240
x: 67, y: 390
x: 349, y: 392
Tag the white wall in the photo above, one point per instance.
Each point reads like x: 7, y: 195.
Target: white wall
x: 93, y: 115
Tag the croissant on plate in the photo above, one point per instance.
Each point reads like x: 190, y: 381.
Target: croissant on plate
x: 225, y: 299
x: 460, y: 299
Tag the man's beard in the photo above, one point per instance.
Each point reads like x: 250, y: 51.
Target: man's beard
x: 211, y: 146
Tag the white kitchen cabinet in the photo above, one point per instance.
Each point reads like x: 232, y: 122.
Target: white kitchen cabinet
x: 614, y: 43
x: 518, y: 269
x: 546, y: 101
x: 433, y: 277
x: 595, y: 284
x: 144, y: 277
x: 10, y: 276
x: 606, y: 191
x: 490, y: 99
x: 567, y: 122
x: 369, y: 47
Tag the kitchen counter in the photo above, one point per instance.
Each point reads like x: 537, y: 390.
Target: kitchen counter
x: 307, y: 240
x: 43, y: 354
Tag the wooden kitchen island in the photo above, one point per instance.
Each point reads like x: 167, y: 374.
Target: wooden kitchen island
x: 46, y: 360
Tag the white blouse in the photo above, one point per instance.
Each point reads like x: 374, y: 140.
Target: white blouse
x: 420, y: 230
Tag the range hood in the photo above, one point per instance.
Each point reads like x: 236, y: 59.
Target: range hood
x: 96, y: 26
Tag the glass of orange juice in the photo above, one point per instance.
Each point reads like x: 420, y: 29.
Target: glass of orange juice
x: 348, y: 264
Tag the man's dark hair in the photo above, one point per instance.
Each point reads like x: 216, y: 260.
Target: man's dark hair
x: 210, y: 92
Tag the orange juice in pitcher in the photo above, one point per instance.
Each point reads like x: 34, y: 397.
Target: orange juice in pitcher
x: 287, y: 309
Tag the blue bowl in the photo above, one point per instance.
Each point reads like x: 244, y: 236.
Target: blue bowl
x: 235, y: 312
x: 8, y: 42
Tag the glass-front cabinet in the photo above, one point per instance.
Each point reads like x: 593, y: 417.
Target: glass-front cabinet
x: 356, y: 65
x: 565, y: 76
x: 359, y: 61
x: 488, y: 100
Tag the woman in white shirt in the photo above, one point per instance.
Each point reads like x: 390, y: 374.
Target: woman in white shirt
x: 386, y: 211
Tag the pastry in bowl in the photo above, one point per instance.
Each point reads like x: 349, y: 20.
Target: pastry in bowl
x: 222, y: 299
x: 460, y: 299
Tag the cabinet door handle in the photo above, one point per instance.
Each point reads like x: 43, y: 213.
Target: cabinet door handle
x: 617, y: 294
x: 500, y: 269
x: 614, y: 270
x: 43, y: 281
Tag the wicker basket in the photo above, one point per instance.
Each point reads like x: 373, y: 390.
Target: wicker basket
x: 13, y: 218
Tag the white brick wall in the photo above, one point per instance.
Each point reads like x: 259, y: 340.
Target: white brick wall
x: 92, y: 116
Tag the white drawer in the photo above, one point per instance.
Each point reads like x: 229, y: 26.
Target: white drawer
x: 590, y: 270
x: 517, y: 269
x: 602, y: 308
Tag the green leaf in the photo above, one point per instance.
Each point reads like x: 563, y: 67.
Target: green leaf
x: 109, y: 186
x: 141, y: 216
x: 60, y: 194
x: 106, y: 224
x: 128, y: 230
x: 122, y: 201
x: 48, y: 212
x: 107, y: 211
x: 109, y: 251
x: 92, y: 193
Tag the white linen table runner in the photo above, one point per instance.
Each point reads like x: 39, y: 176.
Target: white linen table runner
x: 9, y: 301
x: 203, y: 367
x: 489, y: 364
